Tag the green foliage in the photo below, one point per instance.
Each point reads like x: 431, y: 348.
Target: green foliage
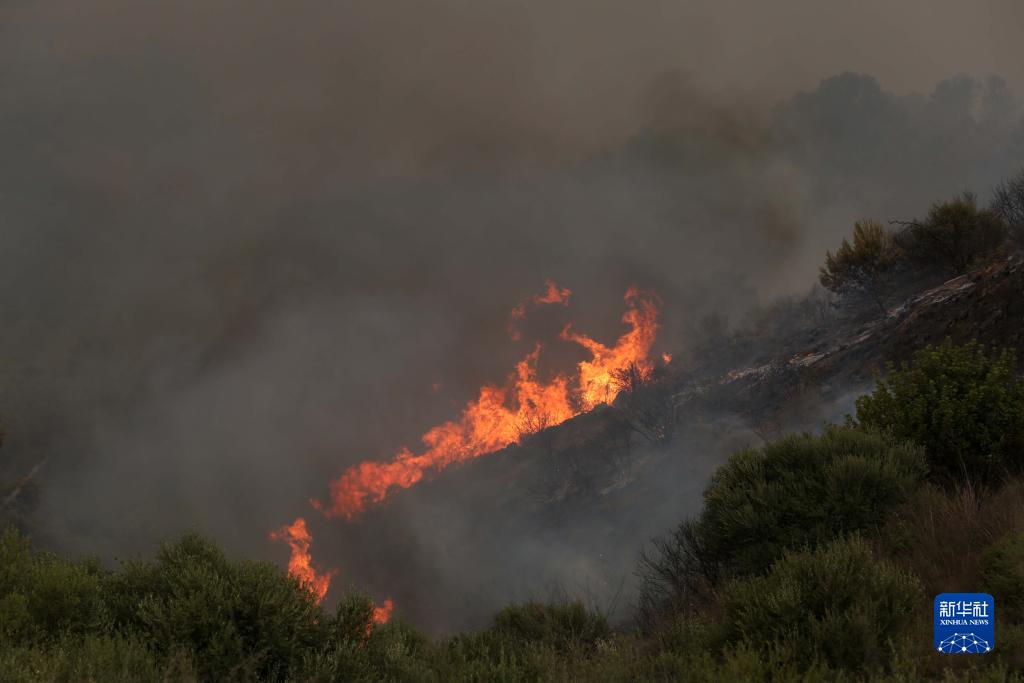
x: 865, y: 266
x: 91, y: 659
x: 800, y: 491
x: 1002, y: 572
x: 834, y: 604
x: 353, y: 619
x: 954, y: 235
x: 241, y: 620
x: 565, y: 627
x: 43, y: 597
x: 962, y: 404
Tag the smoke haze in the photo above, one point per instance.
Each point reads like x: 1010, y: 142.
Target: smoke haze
x: 242, y: 242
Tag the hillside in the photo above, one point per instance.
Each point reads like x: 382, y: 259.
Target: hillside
x: 566, y: 512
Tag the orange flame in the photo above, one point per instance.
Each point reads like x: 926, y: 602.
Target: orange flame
x: 553, y: 294
x: 500, y: 416
x: 382, y: 614
x: 300, y: 565
x: 597, y: 376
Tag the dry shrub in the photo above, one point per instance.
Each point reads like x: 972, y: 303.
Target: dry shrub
x: 941, y: 533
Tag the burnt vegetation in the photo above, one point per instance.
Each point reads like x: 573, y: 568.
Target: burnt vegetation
x: 814, y: 555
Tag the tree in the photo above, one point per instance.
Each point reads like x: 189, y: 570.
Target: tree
x: 954, y: 236
x: 962, y: 404
x: 865, y: 266
x: 1008, y: 204
x: 644, y: 403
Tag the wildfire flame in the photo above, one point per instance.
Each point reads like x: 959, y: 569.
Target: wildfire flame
x: 553, y: 294
x: 597, y: 376
x: 300, y: 565
x: 382, y: 614
x: 500, y: 416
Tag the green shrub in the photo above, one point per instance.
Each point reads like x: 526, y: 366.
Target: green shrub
x: 1002, y: 573
x: 565, y: 627
x: 962, y: 404
x: 398, y: 651
x: 803, y: 490
x: 352, y: 620
x: 800, y: 491
x: 45, y: 597
x: 835, y: 604
x: 239, y: 619
x: 91, y: 659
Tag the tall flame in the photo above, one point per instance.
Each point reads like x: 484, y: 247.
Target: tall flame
x: 300, y: 565
x: 597, y: 376
x: 500, y: 416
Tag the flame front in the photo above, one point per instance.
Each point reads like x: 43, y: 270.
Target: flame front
x: 597, y: 376
x: 500, y: 416
x: 300, y: 565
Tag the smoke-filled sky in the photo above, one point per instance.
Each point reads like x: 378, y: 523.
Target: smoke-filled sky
x: 242, y: 241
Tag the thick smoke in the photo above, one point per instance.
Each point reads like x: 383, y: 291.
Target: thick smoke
x: 242, y: 242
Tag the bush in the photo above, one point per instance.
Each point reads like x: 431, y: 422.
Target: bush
x: 565, y: 627
x: 1002, y: 573
x: 43, y: 597
x: 955, y: 235
x: 835, y: 604
x: 864, y: 267
x: 963, y: 405
x: 941, y: 533
x: 92, y: 659
x: 243, y: 619
x: 800, y: 491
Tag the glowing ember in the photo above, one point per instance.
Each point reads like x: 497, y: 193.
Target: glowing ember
x: 500, y: 416
x: 300, y: 565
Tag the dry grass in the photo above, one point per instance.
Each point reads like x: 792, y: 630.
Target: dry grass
x: 940, y: 535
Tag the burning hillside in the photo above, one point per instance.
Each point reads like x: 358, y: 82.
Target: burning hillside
x: 500, y: 416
